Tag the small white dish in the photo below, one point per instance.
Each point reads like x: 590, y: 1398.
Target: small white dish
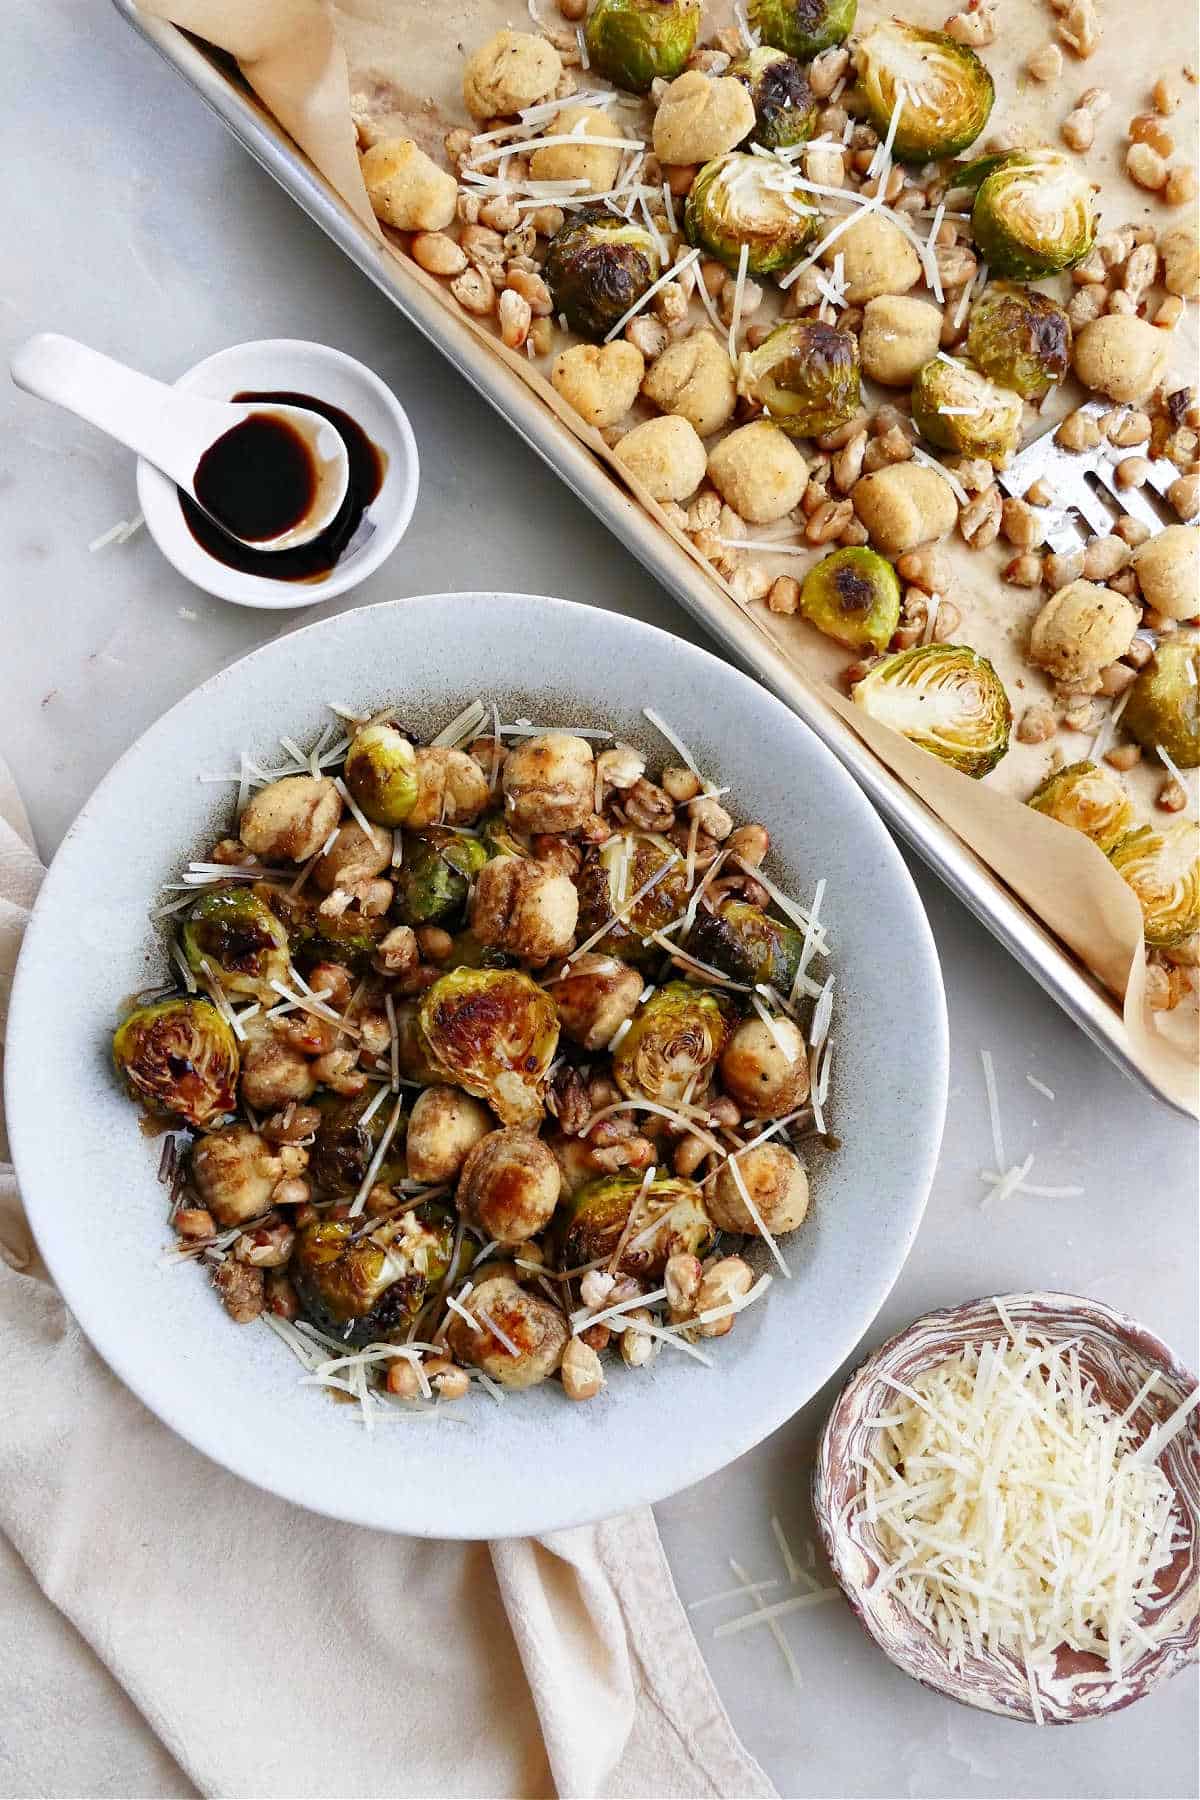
x: 294, y: 366
x: 537, y: 1462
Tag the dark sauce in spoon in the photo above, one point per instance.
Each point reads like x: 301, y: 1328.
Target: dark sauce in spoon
x: 258, y: 479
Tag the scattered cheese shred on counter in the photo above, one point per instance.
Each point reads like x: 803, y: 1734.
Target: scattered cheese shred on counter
x: 1015, y: 1509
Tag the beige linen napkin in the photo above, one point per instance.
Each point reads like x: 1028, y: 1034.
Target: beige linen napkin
x: 209, y: 1636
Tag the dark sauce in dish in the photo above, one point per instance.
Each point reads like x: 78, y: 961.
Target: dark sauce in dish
x: 345, y: 534
x: 258, y: 479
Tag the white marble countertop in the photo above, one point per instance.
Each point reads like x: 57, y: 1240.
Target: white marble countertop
x: 132, y: 220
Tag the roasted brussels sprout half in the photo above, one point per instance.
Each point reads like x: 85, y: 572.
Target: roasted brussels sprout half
x: 674, y: 1041
x: 957, y: 408
x: 417, y: 1062
x: 433, y: 880
x: 349, y: 938
x: 944, y: 697
x: 606, y: 883
x: 469, y: 953
x: 1088, y: 799
x: 1163, y: 869
x: 1020, y: 338
x: 239, y: 940
x: 493, y: 1032
x: 785, y: 107
x: 805, y: 375
x: 853, y: 596
x: 368, y: 1290
x: 671, y: 1220
x: 743, y: 941
x: 802, y: 27
x: 497, y: 837
x: 597, y: 266
x: 344, y: 1145
x: 180, y: 1057
x: 381, y: 773
x: 737, y: 201
x: 1034, y: 211
x: 633, y: 42
x: 948, y: 93
x: 1164, y: 703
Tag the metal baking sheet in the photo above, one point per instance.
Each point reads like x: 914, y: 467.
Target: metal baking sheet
x: 1065, y: 980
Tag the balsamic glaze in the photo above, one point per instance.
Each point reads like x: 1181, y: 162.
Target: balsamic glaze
x: 258, y: 480
x: 249, y: 484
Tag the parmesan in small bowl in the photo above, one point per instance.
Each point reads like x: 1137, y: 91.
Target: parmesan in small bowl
x: 1009, y: 1494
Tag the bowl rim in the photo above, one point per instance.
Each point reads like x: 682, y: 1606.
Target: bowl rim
x: 520, y: 1515
x: 834, y: 1537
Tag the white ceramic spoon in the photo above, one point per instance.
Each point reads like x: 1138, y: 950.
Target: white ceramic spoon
x: 173, y: 428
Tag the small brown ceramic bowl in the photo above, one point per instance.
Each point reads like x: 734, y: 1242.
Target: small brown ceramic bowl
x: 1118, y: 1354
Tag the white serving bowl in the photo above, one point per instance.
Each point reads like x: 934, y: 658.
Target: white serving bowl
x: 292, y: 365
x: 536, y: 1462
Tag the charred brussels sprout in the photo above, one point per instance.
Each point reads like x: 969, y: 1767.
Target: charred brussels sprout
x: 1164, y: 702
x: 805, y: 375
x: 493, y: 1032
x: 597, y: 266
x: 1021, y: 338
x: 469, y: 953
x: 240, y: 940
x: 671, y: 1220
x: 381, y: 773
x: 417, y: 1062
x: 736, y: 201
x: 1034, y: 212
x: 948, y: 93
x: 438, y: 868
x: 497, y: 838
x: 369, y: 1289
x: 673, y: 1043
x: 853, y: 596
x: 785, y: 107
x: 179, y: 1057
x: 606, y: 883
x: 743, y: 941
x: 1163, y: 869
x: 349, y: 938
x: 345, y: 1143
x: 957, y: 408
x: 944, y: 697
x: 633, y: 42
x: 802, y: 27
x: 1088, y: 799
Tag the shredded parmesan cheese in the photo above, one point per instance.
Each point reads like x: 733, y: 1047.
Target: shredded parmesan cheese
x: 952, y: 481
x: 993, y: 1100
x: 748, y: 1203
x: 1013, y: 1510
x: 376, y: 1163
x: 739, y: 292
x: 765, y: 1613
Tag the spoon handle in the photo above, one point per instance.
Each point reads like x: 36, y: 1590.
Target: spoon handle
x: 170, y: 429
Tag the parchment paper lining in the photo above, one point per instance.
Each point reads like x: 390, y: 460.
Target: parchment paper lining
x: 303, y: 59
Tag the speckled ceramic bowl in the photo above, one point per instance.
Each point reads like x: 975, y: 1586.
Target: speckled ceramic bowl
x: 536, y: 1462
x: 1118, y: 1354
